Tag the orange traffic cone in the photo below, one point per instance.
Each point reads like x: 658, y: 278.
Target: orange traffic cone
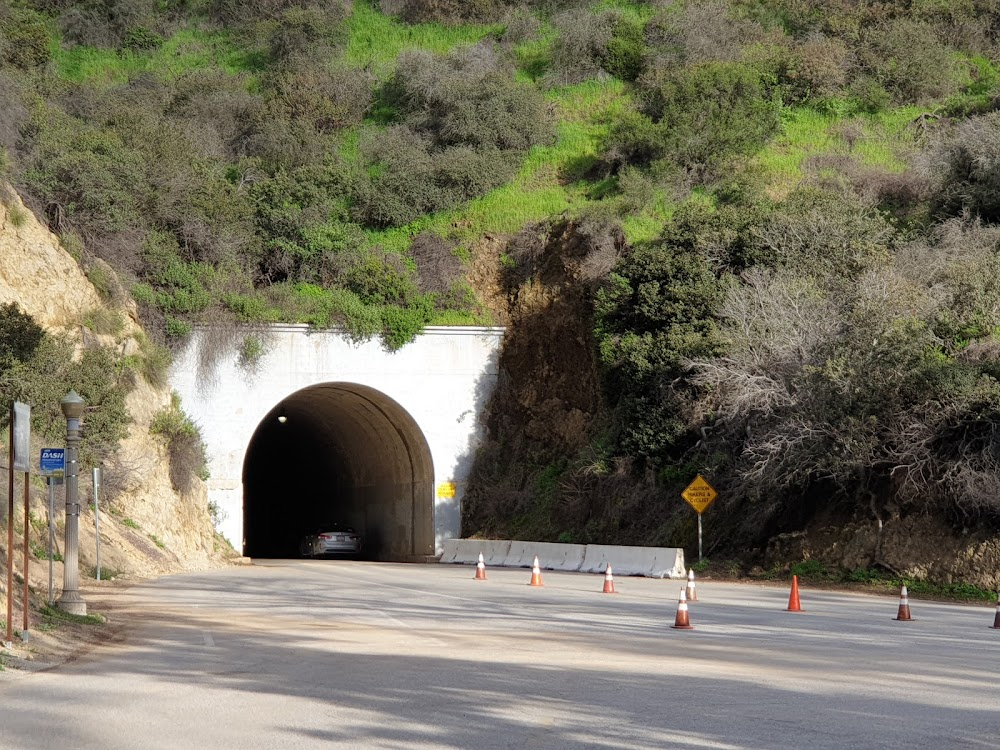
x: 996, y: 619
x: 682, y: 621
x: 609, y: 581
x: 692, y: 592
x: 536, y: 574
x: 904, y: 606
x: 480, y: 569
x: 793, y: 597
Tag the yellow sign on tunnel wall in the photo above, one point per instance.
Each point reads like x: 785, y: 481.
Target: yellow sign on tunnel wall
x: 446, y: 489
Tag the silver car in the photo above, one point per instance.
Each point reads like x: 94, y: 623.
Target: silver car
x: 334, y: 539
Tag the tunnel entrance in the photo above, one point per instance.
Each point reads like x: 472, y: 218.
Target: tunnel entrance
x: 338, y: 453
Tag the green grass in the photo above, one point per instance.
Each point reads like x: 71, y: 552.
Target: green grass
x: 54, y: 615
x: 186, y: 51
x: 882, y: 142
x: 377, y: 40
x: 548, y: 183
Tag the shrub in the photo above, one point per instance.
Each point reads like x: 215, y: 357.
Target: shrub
x: 111, y: 23
x: 13, y: 116
x: 437, y: 265
x: 252, y: 350
x: 103, y: 321
x: 443, y: 11
x: 379, y: 278
x: 655, y: 311
x: 824, y: 234
x: 579, y: 49
x: 907, y: 58
x: 467, y: 98
x: 325, y: 99
x: 154, y: 363
x: 188, y: 459
x: 696, y: 118
x: 700, y: 32
x: 219, y: 107
x: 624, y: 55
x: 304, y: 36
x: 24, y: 38
x: 139, y: 39
x: 20, y: 335
x: 819, y: 67
x: 966, y: 170
x: 409, y: 177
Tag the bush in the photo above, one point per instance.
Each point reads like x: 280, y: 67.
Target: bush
x: 20, y: 335
x: 188, y: 458
x: 409, y: 177
x: 130, y: 24
x: 467, y: 98
x: 104, y: 322
x: 24, y: 38
x: 438, y: 268
x: 13, y: 116
x: 442, y: 11
x: 819, y: 68
x: 579, y: 49
x: 909, y: 61
x: 966, y: 169
x: 827, y: 235
x: 624, y: 55
x: 655, y: 312
x: 696, y: 118
x: 325, y: 99
x: 305, y: 36
x: 700, y: 32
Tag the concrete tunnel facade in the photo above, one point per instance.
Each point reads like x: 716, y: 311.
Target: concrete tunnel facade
x: 380, y: 440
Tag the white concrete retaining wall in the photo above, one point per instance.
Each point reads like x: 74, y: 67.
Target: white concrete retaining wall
x: 652, y: 562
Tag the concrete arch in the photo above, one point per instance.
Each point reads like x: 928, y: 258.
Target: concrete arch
x: 442, y: 380
x: 343, y: 452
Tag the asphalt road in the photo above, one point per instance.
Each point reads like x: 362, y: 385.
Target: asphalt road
x: 326, y: 654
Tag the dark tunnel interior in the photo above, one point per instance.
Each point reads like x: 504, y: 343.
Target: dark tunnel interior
x: 338, y: 452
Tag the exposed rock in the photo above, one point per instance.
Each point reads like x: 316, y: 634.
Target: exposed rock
x: 174, y: 530
x: 917, y: 547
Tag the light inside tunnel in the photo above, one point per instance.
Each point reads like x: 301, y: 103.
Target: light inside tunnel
x: 345, y: 453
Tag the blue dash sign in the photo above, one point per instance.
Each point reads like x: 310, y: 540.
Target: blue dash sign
x: 53, y: 462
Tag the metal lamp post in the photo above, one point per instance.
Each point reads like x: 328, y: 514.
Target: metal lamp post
x: 71, y: 601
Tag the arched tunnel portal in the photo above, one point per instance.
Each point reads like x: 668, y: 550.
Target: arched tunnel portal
x: 341, y: 452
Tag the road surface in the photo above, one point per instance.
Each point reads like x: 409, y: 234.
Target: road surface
x: 337, y: 655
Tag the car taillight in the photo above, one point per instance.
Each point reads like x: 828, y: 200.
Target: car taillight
x: 326, y: 536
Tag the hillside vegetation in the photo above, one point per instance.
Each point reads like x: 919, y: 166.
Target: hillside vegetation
x: 764, y: 230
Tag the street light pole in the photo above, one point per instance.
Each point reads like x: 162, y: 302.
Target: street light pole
x: 71, y: 601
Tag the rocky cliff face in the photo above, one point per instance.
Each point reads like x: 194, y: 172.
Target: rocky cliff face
x: 156, y: 529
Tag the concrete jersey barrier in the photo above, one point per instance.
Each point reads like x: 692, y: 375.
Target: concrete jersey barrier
x: 654, y: 562
x: 466, y: 551
x: 551, y: 556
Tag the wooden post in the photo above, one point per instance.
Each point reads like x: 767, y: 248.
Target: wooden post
x: 8, y: 640
x: 27, y: 531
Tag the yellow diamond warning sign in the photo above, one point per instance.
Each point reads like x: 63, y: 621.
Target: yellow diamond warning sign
x: 699, y: 494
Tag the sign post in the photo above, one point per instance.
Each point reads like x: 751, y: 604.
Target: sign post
x: 20, y: 447
x: 699, y: 495
x: 52, y: 464
x: 97, y: 517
